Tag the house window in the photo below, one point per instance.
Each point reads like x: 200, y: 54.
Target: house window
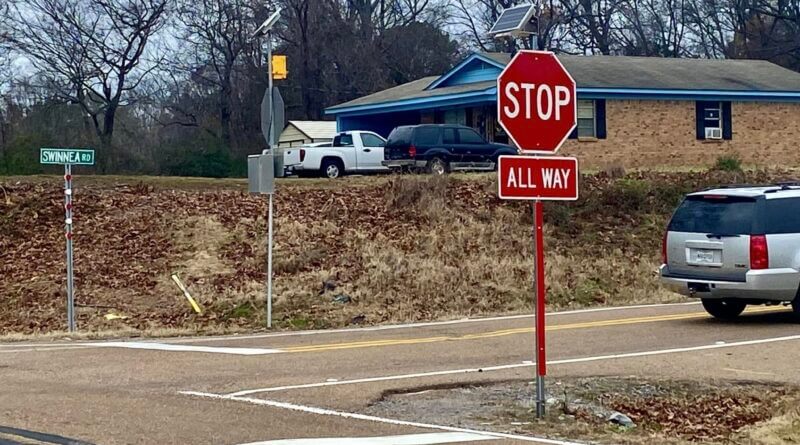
x: 714, y: 120
x: 457, y: 116
x: 587, y: 124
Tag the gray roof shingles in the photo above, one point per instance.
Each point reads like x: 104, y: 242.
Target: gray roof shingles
x: 416, y: 90
x: 680, y: 74
x: 626, y: 72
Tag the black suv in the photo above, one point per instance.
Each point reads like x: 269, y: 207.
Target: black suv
x: 441, y: 148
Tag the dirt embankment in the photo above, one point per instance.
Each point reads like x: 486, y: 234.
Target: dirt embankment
x: 390, y: 249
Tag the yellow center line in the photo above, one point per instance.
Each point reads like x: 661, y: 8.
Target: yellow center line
x: 507, y: 332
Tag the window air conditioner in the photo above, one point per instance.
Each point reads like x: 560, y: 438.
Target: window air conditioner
x: 713, y: 133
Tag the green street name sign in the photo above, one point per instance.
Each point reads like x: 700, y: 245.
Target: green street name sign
x: 72, y: 156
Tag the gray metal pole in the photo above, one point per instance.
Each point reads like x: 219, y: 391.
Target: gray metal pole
x: 68, y: 233
x: 269, y: 145
x: 269, y: 266
x: 540, y: 402
x: 272, y: 137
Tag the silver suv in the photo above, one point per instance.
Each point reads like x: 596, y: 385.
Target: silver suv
x: 736, y: 246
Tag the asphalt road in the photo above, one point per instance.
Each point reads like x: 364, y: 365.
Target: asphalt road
x: 279, y: 388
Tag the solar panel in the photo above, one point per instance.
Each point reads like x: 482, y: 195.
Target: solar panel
x: 513, y: 19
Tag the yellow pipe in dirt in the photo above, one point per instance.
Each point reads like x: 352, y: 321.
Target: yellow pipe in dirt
x: 186, y: 293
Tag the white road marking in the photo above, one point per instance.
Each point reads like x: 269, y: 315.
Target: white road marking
x: 234, y: 337
x: 356, y: 416
x: 185, y: 348
x: 408, y: 439
x: 525, y: 364
x: 62, y: 348
x: 748, y: 371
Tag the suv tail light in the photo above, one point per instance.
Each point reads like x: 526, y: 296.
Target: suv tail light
x: 759, y: 254
x: 664, y: 248
x: 412, y: 151
x: 302, y: 155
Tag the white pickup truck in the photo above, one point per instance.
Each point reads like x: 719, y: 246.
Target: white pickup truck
x: 349, y: 152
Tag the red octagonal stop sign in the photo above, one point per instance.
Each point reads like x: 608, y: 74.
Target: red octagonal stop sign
x: 536, y: 102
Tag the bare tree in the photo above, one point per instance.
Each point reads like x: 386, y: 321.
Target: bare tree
x: 89, y: 52
x: 594, y: 24
x: 552, y: 24
x: 714, y: 24
x: 375, y: 16
x: 771, y: 31
x: 475, y: 18
x: 219, y: 34
x: 654, y: 27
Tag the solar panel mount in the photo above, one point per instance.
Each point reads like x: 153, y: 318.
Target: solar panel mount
x: 513, y: 20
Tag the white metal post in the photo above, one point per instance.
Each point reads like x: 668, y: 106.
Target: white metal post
x: 271, y: 148
x: 272, y: 138
x: 68, y: 191
x: 269, y: 266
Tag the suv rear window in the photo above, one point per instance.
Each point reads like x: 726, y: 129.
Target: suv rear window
x: 469, y: 136
x: 400, y: 136
x: 426, y: 136
x: 783, y: 215
x: 723, y: 215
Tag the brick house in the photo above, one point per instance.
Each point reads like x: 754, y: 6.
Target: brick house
x: 633, y: 111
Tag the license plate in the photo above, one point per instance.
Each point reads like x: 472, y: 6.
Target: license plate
x: 704, y: 256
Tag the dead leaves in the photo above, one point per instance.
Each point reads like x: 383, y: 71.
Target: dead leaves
x: 700, y: 417
x: 381, y: 239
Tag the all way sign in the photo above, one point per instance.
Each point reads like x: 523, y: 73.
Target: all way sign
x: 538, y: 178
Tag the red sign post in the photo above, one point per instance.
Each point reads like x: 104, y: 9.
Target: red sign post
x: 537, y: 106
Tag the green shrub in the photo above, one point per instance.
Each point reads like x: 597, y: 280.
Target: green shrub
x: 628, y: 194
x: 205, y: 157
x: 728, y: 163
x: 667, y: 195
x: 21, y: 156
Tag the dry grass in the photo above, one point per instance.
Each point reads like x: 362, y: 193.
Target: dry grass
x: 780, y: 430
x: 123, y: 332
x: 402, y: 248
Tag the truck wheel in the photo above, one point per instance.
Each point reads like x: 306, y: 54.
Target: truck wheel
x: 723, y: 309
x: 438, y: 166
x: 331, y: 168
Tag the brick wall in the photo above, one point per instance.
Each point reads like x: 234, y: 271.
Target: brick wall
x: 662, y: 133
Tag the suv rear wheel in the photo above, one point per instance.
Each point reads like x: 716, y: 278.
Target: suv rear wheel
x: 438, y: 166
x: 723, y: 309
x: 796, y: 308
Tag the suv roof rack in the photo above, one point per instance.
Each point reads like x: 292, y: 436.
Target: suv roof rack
x: 734, y: 186
x: 783, y: 186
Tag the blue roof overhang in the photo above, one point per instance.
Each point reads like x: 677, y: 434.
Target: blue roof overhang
x: 441, y: 101
x: 458, y: 68
x: 490, y: 95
